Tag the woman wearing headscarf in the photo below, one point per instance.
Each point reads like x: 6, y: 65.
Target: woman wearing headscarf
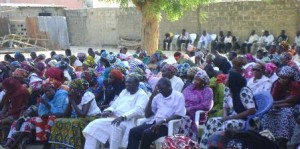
x: 81, y: 109
x: 115, y: 86
x: 34, y: 81
x: 251, y: 61
x: 238, y: 104
x: 14, y: 102
x: 155, y: 62
x: 280, y: 120
x: 94, y: 86
x: 13, y: 66
x: 169, y: 72
x: 190, y: 75
x: 270, y: 71
x: 217, y: 84
x: 286, y: 60
x: 259, y: 82
x: 182, y: 71
x: 56, y: 77
x: 52, y: 104
x: 198, y: 96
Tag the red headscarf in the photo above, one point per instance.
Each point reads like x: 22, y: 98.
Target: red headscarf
x: 55, y: 77
x: 117, y: 74
x: 55, y: 73
x: 11, y: 85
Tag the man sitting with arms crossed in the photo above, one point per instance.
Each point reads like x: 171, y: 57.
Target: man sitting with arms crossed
x: 164, y: 105
x: 117, y: 118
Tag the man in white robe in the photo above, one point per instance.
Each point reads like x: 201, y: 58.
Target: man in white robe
x: 118, y: 118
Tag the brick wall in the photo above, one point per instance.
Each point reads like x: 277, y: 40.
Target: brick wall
x: 242, y: 17
x: 104, y: 26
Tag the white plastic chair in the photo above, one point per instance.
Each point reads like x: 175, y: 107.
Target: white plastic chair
x: 193, y: 37
x: 174, y: 42
x: 213, y: 37
x: 197, y: 119
x: 173, y: 127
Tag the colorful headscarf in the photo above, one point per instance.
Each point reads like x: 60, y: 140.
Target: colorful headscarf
x: 40, y: 66
x: 79, y: 85
x: 287, y: 56
x: 90, y: 77
x: 182, y: 69
x: 284, y: 45
x: 221, y: 78
x: 20, y: 73
x: 193, y: 70
x: 117, y: 74
x: 170, y: 67
x: 158, y: 55
x: 139, y: 73
x: 111, y: 58
x: 15, y: 64
x: 62, y: 65
x: 270, y: 68
x: 118, y: 64
x: 203, y: 76
x: 11, y: 85
x: 55, y: 73
x: 104, y: 55
x: 286, y: 71
x: 52, y: 63
x: 27, y: 66
x: 89, y: 61
x: 81, y: 55
x: 249, y: 57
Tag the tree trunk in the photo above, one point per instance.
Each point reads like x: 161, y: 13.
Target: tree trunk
x: 150, y: 32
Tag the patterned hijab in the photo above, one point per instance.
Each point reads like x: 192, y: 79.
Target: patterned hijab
x: 90, y: 77
x: 79, y: 85
x: 183, y: 69
x: 192, y: 71
x: 171, y: 68
x: 20, y: 73
x: 203, y: 76
x: 270, y: 68
x: 286, y: 71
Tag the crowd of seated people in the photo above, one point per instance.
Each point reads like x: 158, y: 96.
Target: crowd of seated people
x: 94, y: 99
x: 228, y: 42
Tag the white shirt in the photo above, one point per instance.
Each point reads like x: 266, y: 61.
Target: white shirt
x: 252, y: 38
x: 228, y: 39
x: 297, y: 41
x: 260, y: 85
x: 129, y: 105
x: 296, y: 58
x: 186, y: 36
x: 273, y: 78
x: 269, y: 39
x: 164, y: 107
x: 97, y: 58
x: 204, y: 39
x: 177, y: 83
x: 87, y: 97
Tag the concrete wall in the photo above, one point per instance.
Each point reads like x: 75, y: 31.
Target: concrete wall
x: 17, y: 16
x: 242, y: 17
x: 104, y: 26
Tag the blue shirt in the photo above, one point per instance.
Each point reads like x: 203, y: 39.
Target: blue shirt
x: 58, y: 104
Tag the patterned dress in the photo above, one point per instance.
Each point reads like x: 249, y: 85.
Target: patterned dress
x: 215, y: 124
x: 67, y: 132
